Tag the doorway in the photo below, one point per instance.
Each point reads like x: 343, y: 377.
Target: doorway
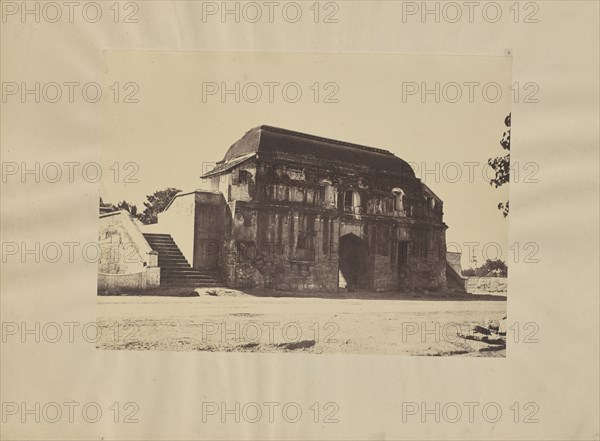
x: 353, y: 262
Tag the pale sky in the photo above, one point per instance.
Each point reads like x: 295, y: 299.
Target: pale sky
x: 178, y: 125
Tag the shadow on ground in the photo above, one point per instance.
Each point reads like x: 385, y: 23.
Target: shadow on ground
x: 374, y: 295
x: 191, y: 291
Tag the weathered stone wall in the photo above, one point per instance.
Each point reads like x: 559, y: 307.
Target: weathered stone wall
x: 137, y: 281
x: 209, y: 224
x: 284, y: 222
x: 263, y: 250
x: 239, y: 265
x: 426, y: 258
x: 318, y: 186
x: 386, y: 274
x: 482, y: 285
x: 244, y: 267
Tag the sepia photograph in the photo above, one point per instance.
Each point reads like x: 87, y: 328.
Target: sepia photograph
x: 280, y: 240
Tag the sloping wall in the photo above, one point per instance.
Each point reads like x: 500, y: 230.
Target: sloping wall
x: 453, y: 260
x: 454, y: 272
x: 126, y: 260
x: 195, y: 221
x: 179, y: 220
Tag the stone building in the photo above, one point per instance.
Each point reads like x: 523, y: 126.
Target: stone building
x: 291, y: 211
x: 305, y: 212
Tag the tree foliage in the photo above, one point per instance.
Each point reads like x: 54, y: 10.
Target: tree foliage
x: 124, y: 205
x: 501, y: 166
x: 491, y: 268
x: 156, y: 202
x: 107, y: 207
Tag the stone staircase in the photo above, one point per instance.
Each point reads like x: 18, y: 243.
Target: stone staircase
x: 174, y: 268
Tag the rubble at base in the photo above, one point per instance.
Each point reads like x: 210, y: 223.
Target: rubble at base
x: 492, y: 333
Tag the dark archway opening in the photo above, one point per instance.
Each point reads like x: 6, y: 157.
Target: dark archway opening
x: 353, y: 261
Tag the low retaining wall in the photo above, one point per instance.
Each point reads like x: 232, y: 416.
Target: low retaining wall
x: 135, y: 281
x: 487, y: 285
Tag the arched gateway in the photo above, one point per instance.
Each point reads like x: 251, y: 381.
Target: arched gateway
x: 353, y: 262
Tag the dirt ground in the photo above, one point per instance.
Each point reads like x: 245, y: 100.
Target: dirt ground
x: 228, y: 320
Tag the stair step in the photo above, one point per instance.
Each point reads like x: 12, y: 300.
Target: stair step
x: 171, y: 272
x: 175, y: 269
x: 189, y: 269
x: 189, y: 283
x: 183, y: 272
x: 195, y: 279
x: 188, y: 275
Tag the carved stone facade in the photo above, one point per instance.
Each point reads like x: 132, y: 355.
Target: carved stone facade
x: 303, y: 212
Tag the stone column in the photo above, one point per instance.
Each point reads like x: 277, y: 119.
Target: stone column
x: 330, y: 194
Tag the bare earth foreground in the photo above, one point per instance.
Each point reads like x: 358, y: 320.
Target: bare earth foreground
x: 234, y: 321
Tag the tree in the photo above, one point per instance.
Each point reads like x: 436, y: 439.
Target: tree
x: 495, y: 267
x: 124, y: 205
x: 156, y: 203
x: 107, y: 207
x: 501, y: 165
x: 491, y: 268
